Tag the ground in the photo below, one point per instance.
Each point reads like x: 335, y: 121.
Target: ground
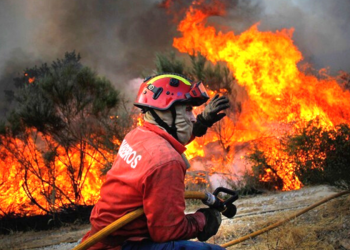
x: 325, y: 227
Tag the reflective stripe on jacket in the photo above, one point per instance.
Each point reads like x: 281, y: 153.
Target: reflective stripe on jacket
x: 148, y: 172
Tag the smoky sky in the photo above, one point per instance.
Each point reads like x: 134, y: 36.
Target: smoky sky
x: 119, y: 39
x: 322, y: 30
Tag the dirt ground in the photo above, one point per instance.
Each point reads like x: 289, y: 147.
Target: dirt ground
x: 324, y: 227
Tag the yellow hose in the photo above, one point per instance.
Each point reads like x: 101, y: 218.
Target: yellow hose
x: 279, y: 223
x: 93, y: 239
x: 103, y: 233
x: 195, y: 195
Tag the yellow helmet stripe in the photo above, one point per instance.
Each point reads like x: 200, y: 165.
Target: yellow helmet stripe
x: 171, y: 76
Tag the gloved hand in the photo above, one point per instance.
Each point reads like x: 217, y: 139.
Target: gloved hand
x: 210, y: 115
x: 213, y: 222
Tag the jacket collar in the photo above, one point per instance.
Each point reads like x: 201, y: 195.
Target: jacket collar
x: 176, y: 145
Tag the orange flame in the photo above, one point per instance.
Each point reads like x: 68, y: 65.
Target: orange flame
x: 51, y: 184
x: 31, y: 79
x: 280, y: 96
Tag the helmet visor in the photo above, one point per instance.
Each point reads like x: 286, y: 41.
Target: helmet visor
x: 198, y: 94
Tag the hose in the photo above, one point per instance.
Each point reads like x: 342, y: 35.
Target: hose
x: 93, y: 239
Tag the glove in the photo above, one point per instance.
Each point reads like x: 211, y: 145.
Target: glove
x: 213, y: 221
x: 210, y: 115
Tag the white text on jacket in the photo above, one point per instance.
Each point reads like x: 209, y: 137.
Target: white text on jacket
x: 128, y: 154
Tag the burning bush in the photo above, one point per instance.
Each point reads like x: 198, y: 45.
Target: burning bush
x: 316, y: 155
x: 271, y: 168
x: 62, y: 131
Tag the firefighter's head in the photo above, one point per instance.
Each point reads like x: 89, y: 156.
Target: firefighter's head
x: 167, y: 101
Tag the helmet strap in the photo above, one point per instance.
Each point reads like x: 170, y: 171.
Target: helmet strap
x: 171, y: 130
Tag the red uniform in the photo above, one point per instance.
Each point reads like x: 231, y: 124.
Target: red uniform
x: 148, y: 172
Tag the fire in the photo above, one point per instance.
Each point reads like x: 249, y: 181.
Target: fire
x: 34, y: 182
x: 30, y: 79
x: 140, y: 120
x: 280, y: 99
x: 280, y: 96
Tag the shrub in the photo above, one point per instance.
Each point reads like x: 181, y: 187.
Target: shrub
x: 321, y: 156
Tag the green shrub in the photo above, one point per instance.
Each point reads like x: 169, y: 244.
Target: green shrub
x: 321, y: 156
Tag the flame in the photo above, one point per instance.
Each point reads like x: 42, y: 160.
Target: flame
x: 28, y: 173
x: 280, y: 96
x: 140, y: 120
x: 30, y: 79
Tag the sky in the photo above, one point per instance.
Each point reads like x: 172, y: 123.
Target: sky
x: 119, y: 39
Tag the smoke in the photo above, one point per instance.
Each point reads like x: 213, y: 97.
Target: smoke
x: 321, y: 28
x: 119, y: 39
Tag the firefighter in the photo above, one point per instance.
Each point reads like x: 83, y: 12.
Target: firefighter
x: 150, y: 167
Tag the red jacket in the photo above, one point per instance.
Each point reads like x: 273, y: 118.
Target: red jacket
x: 148, y: 172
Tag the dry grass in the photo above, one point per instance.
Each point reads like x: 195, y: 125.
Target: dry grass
x: 325, y: 227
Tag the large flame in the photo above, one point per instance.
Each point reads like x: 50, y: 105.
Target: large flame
x: 280, y: 96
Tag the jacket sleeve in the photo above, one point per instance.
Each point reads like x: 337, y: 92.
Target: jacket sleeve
x: 164, y: 205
